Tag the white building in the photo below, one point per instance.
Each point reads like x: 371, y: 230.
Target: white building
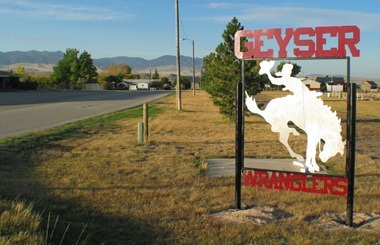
x: 311, y: 84
x: 139, y: 84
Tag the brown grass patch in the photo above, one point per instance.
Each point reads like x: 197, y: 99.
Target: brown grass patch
x: 156, y: 192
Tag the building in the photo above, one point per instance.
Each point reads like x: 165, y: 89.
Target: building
x: 333, y: 84
x: 4, y: 80
x: 369, y: 86
x: 311, y: 84
x: 139, y: 84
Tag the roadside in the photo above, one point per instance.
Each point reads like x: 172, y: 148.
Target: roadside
x: 23, y: 112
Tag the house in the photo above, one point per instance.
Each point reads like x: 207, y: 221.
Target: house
x: 139, y: 84
x: 369, y: 86
x: 4, y: 80
x: 311, y: 84
x: 333, y: 84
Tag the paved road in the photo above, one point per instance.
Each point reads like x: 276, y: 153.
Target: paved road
x: 23, y: 112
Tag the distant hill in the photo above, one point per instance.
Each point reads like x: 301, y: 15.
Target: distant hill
x: 52, y: 58
x: 33, y: 57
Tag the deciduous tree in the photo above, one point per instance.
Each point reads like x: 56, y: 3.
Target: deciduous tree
x: 20, y: 70
x: 87, y: 69
x: 71, y: 68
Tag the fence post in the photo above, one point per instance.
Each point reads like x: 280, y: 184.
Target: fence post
x: 145, y: 121
x: 140, y: 133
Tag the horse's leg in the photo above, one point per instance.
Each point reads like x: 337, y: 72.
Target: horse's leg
x: 284, y: 136
x: 311, y: 151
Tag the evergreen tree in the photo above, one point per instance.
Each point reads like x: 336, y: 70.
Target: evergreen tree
x: 156, y: 75
x: 223, y: 72
x: 296, y: 68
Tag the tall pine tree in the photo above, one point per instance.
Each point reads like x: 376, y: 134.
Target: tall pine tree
x: 223, y: 72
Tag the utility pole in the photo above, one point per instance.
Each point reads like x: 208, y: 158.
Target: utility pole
x: 179, y: 103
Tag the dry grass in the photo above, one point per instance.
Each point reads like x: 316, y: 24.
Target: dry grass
x: 156, y: 193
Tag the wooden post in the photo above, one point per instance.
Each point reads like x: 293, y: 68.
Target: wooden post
x: 139, y: 133
x: 145, y: 122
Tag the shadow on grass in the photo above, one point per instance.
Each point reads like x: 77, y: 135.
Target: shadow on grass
x: 20, y: 158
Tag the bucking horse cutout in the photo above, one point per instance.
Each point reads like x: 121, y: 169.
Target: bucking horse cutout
x: 307, y: 112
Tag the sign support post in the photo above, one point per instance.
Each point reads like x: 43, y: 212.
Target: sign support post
x: 239, y: 148
x: 350, y: 155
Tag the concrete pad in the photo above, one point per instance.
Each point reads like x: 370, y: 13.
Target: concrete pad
x: 225, y: 167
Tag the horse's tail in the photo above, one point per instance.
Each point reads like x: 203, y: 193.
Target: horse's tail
x: 251, y: 104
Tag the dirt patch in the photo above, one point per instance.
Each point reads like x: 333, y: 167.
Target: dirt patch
x: 260, y: 215
x: 256, y: 215
x: 337, y: 221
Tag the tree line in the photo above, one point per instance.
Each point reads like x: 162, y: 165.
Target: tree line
x: 76, y: 69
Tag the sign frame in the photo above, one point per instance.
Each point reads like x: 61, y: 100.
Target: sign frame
x: 350, y: 132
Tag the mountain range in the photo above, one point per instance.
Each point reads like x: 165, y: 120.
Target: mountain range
x: 46, y: 58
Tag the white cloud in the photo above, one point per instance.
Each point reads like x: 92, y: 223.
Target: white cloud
x: 293, y: 16
x: 59, y: 11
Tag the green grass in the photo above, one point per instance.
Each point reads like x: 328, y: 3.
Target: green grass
x: 106, y: 188
x: 83, y: 128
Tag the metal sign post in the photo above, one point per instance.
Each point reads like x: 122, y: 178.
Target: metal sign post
x: 239, y: 148
x: 350, y: 152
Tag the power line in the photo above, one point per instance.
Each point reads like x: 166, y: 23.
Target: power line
x: 183, y: 29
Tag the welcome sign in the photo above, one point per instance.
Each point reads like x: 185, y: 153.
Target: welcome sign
x: 302, y: 106
x: 327, y: 41
x: 298, y: 182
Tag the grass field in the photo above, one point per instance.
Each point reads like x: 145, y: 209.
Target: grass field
x: 90, y: 182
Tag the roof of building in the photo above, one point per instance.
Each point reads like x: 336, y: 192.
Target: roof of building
x: 4, y: 74
x: 307, y: 80
x: 372, y: 83
x: 328, y: 79
x: 136, y: 81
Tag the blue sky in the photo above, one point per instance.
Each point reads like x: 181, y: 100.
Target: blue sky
x: 135, y: 28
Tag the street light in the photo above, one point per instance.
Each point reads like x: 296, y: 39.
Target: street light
x: 178, y: 60
x: 192, y: 43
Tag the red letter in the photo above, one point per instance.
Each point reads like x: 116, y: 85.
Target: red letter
x: 308, y: 43
x: 339, y: 189
x: 317, y: 180
x: 259, y: 43
x: 321, y: 40
x: 248, y: 45
x: 297, y: 182
x: 285, y: 180
x: 283, y: 42
x: 248, y: 178
x: 350, y: 42
x: 274, y: 182
x: 263, y: 178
